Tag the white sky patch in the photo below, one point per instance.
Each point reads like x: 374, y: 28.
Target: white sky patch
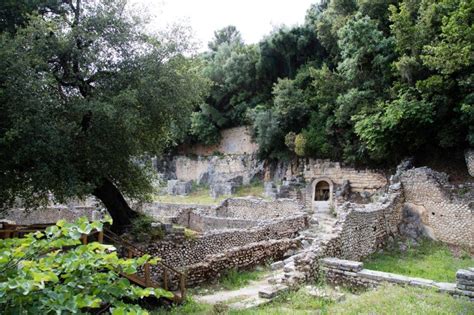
x: 253, y: 18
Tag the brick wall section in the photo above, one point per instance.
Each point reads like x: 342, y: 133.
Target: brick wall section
x: 257, y: 209
x: 360, y: 180
x: 451, y: 218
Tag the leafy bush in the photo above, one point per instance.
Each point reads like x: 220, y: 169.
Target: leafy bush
x: 52, y: 272
x: 143, y: 231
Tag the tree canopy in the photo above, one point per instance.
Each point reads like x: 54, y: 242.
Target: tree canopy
x: 85, y: 94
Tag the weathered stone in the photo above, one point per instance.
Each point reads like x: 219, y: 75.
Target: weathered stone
x: 180, y: 188
x: 272, y: 291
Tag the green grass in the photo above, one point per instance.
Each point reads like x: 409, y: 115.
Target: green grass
x: 402, y: 300
x: 430, y: 260
x: 384, y: 300
x: 201, y: 195
x: 234, y: 279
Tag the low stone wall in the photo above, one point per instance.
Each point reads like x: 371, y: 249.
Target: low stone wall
x: 449, y: 217
x: 351, y: 273
x: 192, y: 251
x: 363, y: 229
x: 257, y: 209
x: 165, y: 212
x: 49, y: 215
x: 469, y: 156
x: 243, y: 257
x: 196, y: 220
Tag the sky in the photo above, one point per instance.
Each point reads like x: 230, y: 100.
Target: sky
x: 253, y: 18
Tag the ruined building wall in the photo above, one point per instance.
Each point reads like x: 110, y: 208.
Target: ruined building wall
x: 450, y: 217
x: 360, y: 180
x: 236, y: 140
x: 366, y: 228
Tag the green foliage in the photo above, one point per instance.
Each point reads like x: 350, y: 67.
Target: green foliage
x: 51, y: 272
x: 83, y: 93
x: 429, y: 260
x: 300, y: 145
x: 143, y: 231
x: 235, y: 279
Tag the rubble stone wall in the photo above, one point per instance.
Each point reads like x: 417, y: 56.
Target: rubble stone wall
x: 244, y: 257
x: 192, y: 251
x: 449, y: 217
x: 236, y: 140
x: 366, y: 228
x: 257, y: 209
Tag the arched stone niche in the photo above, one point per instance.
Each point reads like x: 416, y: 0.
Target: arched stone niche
x: 322, y: 194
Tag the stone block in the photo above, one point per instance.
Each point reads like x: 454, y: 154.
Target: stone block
x: 272, y: 291
x: 465, y: 274
x: 179, y: 188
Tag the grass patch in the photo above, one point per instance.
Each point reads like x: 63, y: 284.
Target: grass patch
x: 430, y: 260
x: 190, y: 306
x: 201, y: 195
x: 386, y: 299
x: 235, y: 279
x: 402, y: 300
x: 290, y: 303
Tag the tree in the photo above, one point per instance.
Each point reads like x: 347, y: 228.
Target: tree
x: 84, y: 95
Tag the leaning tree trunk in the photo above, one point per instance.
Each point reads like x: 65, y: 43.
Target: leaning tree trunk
x: 116, y: 205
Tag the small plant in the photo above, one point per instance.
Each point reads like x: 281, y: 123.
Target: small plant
x: 332, y: 211
x: 143, y: 231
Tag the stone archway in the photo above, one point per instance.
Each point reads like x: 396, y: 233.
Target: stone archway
x: 321, y: 192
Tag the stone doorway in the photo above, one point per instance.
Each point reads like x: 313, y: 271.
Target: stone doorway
x: 322, y: 191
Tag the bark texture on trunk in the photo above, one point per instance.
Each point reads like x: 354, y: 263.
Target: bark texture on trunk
x: 116, y: 205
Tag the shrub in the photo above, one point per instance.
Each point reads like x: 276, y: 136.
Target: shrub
x: 52, y: 272
x: 143, y: 231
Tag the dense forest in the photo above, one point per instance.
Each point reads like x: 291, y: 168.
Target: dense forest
x: 363, y: 81
x: 87, y: 95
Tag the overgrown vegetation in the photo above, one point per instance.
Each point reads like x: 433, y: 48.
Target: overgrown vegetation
x: 384, y: 300
x: 361, y: 81
x: 143, y: 231
x: 430, y: 260
x: 51, y: 272
x: 234, y: 279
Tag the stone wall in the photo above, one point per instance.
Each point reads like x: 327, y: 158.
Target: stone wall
x: 192, y: 251
x: 360, y: 180
x: 236, y: 140
x: 351, y: 273
x: 363, y: 229
x: 448, y: 216
x: 212, y: 168
x: 469, y: 156
x: 257, y: 209
x: 49, y: 214
x: 166, y: 212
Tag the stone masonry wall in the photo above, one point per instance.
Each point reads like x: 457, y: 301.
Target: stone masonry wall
x: 449, y: 217
x: 366, y: 228
x: 360, y: 180
x: 192, y: 251
x: 194, y: 168
x: 236, y: 140
x: 469, y: 156
x: 257, y: 209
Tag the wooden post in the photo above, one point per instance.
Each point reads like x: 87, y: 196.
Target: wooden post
x: 84, y: 239
x: 100, y: 238
x: 147, y: 275
x: 129, y: 254
x: 182, y: 286
x: 165, y: 279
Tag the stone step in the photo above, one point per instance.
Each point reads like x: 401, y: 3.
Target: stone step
x: 272, y: 291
